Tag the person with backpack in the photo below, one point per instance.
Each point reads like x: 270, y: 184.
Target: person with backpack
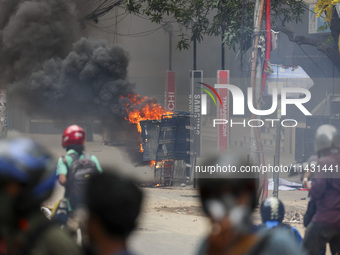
x: 228, y: 198
x: 74, y: 170
x: 272, y: 213
x: 27, y: 178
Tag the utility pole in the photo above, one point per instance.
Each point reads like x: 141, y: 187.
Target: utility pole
x: 276, y: 175
x: 168, y: 28
x: 222, y: 51
x: 194, y: 54
x: 258, y: 157
x: 3, y: 113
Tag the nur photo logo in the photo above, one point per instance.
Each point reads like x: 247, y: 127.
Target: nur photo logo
x: 204, y: 97
x: 239, y: 103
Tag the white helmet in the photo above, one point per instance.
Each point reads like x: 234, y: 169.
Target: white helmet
x: 326, y: 137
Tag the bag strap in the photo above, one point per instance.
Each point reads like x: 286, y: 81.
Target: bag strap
x: 63, y: 158
x: 87, y: 157
x: 74, y: 156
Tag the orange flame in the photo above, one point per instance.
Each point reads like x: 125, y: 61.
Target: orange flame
x: 151, y: 111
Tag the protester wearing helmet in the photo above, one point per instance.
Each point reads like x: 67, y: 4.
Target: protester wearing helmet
x: 228, y: 198
x: 73, y: 171
x: 27, y: 178
x: 325, y: 191
x: 73, y: 141
x: 272, y: 214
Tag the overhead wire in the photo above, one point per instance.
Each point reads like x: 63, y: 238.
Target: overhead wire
x: 102, y: 9
x: 140, y: 34
x: 116, y: 23
x: 113, y: 17
x: 106, y: 28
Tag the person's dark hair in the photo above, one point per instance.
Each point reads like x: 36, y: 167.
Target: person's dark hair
x: 214, y: 185
x: 115, y: 201
x: 79, y: 148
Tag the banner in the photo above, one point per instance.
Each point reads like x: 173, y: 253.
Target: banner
x: 195, y: 97
x: 223, y: 111
x: 170, y: 91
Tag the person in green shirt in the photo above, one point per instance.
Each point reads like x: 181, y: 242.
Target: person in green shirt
x: 73, y: 171
x: 73, y: 141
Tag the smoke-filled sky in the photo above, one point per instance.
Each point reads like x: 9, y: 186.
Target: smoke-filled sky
x: 46, y: 66
x: 44, y: 63
x: 32, y: 32
x: 91, y: 76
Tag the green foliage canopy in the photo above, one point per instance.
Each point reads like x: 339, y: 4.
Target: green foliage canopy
x: 233, y: 19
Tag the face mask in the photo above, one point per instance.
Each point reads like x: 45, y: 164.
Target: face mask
x: 226, y: 206
x: 239, y: 217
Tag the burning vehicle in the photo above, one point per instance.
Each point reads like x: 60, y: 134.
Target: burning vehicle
x: 166, y: 142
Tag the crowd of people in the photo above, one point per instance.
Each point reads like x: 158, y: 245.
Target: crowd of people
x: 100, y: 208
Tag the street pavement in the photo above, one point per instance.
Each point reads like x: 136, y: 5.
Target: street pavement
x: 171, y: 221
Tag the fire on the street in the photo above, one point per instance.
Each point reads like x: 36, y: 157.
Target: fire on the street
x: 148, y: 111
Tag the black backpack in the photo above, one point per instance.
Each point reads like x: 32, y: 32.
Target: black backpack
x: 78, y: 174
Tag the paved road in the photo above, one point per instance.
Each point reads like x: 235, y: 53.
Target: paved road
x: 168, y: 233
x: 162, y: 229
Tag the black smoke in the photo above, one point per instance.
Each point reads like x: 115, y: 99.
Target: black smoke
x: 90, y: 81
x: 49, y: 73
x: 32, y: 32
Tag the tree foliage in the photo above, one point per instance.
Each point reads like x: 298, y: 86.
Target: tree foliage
x: 234, y: 19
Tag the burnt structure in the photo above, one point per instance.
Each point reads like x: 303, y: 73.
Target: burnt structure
x: 167, y: 142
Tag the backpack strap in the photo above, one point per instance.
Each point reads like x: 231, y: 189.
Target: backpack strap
x: 87, y: 157
x: 63, y: 158
x: 74, y: 156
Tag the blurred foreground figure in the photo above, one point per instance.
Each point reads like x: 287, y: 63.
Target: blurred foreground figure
x: 272, y: 214
x: 325, y: 192
x: 27, y: 178
x: 113, y: 205
x: 228, y: 198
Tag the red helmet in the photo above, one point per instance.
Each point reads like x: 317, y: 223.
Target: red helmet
x: 73, y: 134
